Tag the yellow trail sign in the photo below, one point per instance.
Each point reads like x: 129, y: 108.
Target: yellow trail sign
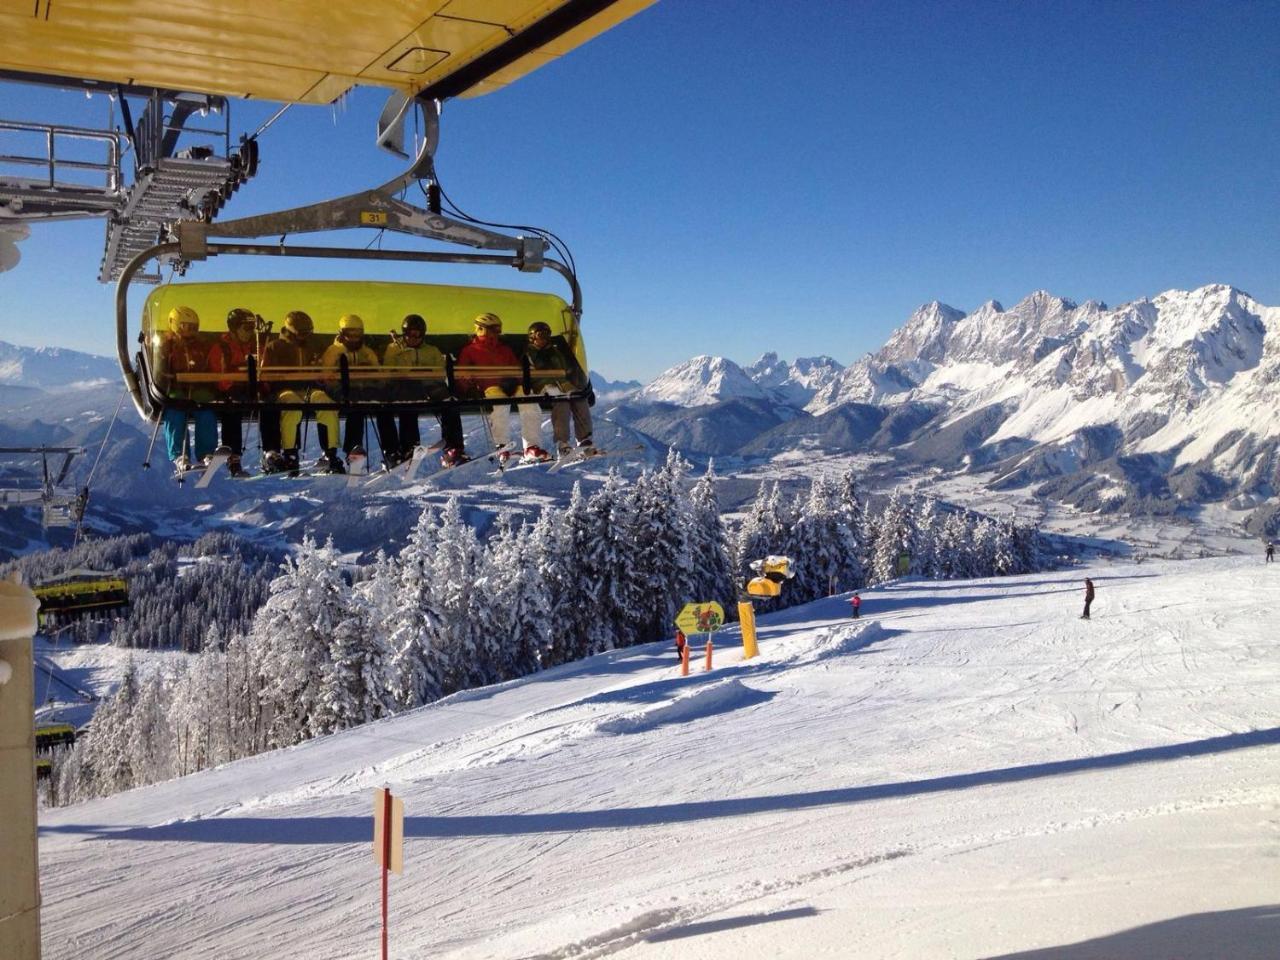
x: 706, y: 617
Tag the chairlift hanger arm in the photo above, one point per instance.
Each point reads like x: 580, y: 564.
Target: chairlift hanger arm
x: 380, y: 208
x: 373, y: 208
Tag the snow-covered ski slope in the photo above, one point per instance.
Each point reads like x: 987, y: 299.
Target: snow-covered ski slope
x: 969, y: 771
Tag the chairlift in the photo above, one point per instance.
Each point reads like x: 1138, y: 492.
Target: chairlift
x: 59, y: 507
x: 80, y: 594
x: 50, y: 739
x: 449, y: 310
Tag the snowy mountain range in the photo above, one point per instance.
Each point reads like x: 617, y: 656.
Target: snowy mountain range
x: 53, y: 367
x: 1159, y: 400
x: 1153, y: 406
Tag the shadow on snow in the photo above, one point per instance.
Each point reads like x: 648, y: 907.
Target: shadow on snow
x: 317, y: 830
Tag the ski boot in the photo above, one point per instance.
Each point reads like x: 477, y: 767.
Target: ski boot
x: 273, y: 461
x: 535, y: 454
x: 454, y: 457
x: 330, y: 463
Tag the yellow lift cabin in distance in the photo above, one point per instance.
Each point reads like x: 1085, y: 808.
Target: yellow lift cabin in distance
x: 78, y: 594
x: 449, y: 311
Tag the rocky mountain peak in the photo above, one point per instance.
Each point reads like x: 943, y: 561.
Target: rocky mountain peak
x: 702, y: 380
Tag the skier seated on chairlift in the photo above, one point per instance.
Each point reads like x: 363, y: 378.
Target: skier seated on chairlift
x: 410, y: 349
x: 291, y: 349
x: 231, y: 354
x: 350, y: 343
x: 182, y: 352
x: 486, y: 349
x: 545, y: 355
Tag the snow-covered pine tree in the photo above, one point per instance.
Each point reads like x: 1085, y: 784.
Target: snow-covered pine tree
x: 982, y: 536
x: 853, y: 509
x: 605, y: 552
x: 294, y: 632
x: 152, y: 735
x: 711, y: 576
x: 823, y: 547
x: 659, y: 575
x: 107, y: 759
x: 893, y: 537
x: 490, y: 610
x: 952, y: 552
x: 1005, y: 560
x: 1026, y: 547
x: 414, y: 622
x: 550, y: 548
x: 520, y: 600
x: 757, y: 535
x: 358, y: 686
x: 378, y: 592
x: 452, y: 575
x: 927, y: 522
x: 242, y: 688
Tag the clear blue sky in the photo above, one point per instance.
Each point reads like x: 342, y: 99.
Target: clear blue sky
x: 732, y: 181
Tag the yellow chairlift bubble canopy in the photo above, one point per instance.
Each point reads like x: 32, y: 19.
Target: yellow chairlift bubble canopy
x: 449, y: 310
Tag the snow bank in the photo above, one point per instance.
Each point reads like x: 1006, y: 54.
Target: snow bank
x: 700, y: 704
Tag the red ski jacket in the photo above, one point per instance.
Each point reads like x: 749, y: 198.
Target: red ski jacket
x: 229, y: 354
x: 487, y: 352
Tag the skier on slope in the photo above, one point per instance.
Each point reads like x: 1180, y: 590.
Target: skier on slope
x: 1271, y: 552
x: 1088, y: 597
x: 855, y: 602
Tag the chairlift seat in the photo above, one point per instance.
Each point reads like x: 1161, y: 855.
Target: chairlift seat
x: 449, y: 312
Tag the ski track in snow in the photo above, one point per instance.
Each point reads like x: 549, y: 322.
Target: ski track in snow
x: 829, y: 798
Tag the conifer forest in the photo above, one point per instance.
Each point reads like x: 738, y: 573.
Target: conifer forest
x: 282, y: 651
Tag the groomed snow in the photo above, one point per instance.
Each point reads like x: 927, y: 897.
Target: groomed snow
x: 970, y: 771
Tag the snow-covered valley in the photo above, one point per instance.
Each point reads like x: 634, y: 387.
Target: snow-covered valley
x: 969, y: 771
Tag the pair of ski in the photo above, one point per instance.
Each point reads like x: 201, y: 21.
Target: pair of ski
x: 354, y: 474
x: 409, y: 471
x: 205, y: 471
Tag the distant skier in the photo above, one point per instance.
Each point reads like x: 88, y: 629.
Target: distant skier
x: 1088, y: 598
x: 681, y: 642
x: 856, y: 603
x: 1271, y: 552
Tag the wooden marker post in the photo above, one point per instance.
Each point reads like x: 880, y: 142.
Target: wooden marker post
x: 684, y: 660
x: 388, y: 844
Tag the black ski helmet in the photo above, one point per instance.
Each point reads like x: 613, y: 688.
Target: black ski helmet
x: 413, y: 321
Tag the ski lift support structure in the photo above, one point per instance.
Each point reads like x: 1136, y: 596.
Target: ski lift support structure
x: 380, y: 209
x: 58, y: 508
